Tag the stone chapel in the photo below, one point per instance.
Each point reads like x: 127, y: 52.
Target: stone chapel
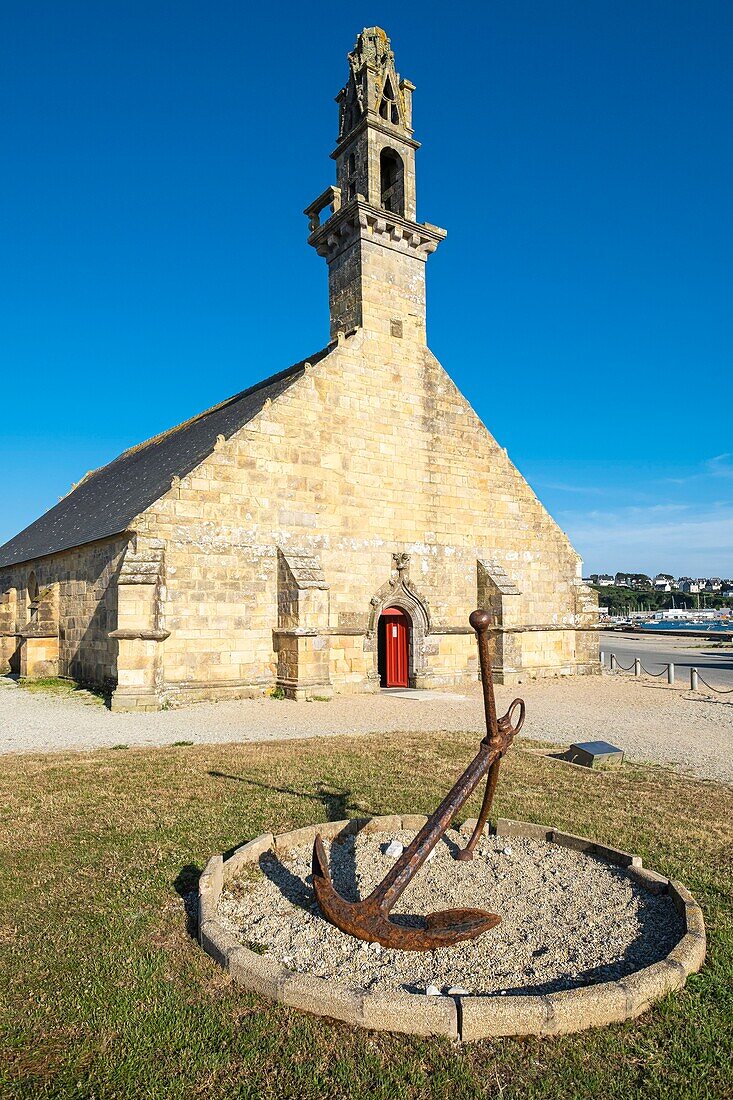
x: 327, y: 530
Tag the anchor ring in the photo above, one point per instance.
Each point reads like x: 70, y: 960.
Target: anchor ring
x: 507, y: 717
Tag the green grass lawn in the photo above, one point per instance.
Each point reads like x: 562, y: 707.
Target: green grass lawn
x: 107, y: 995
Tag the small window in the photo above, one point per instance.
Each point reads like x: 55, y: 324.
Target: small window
x: 388, y: 107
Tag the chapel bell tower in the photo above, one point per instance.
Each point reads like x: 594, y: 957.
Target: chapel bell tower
x: 369, y: 236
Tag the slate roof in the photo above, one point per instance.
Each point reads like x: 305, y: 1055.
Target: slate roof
x: 107, y: 500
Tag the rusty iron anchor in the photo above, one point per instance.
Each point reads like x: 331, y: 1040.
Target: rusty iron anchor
x: 369, y: 919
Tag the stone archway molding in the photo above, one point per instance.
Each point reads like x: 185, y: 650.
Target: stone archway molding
x: 400, y: 592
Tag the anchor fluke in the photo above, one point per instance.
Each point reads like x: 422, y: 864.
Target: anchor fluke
x: 367, y: 920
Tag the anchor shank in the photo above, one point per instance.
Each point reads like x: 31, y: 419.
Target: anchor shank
x: 413, y: 857
x: 486, y: 661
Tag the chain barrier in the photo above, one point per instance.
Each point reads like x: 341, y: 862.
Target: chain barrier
x: 695, y: 676
x: 720, y: 691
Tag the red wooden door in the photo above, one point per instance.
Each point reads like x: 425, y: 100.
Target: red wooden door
x: 396, y: 647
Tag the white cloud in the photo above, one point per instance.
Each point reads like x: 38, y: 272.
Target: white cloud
x: 721, y: 466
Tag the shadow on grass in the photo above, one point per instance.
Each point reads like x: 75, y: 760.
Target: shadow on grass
x: 186, y: 886
x: 336, y: 802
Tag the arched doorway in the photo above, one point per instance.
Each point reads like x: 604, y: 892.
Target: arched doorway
x: 393, y: 648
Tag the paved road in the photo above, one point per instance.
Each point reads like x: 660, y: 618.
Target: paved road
x: 715, y: 665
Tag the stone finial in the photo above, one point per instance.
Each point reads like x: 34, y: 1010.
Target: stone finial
x: 372, y: 48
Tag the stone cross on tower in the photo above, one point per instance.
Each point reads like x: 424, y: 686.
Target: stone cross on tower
x: 374, y: 247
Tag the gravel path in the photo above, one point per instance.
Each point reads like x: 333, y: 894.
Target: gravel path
x: 568, y: 919
x: 646, y: 718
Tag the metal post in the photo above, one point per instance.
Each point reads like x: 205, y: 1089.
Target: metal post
x: 613, y: 662
x: 603, y: 659
x: 637, y: 666
x: 670, y: 673
x: 693, y: 679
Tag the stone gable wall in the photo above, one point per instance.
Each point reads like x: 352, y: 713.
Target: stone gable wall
x: 373, y: 452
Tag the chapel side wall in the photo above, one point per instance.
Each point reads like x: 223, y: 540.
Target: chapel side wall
x: 372, y: 452
x: 220, y: 604
x: 87, y: 606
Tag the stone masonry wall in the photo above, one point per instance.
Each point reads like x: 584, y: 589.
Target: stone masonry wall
x: 373, y: 452
x: 86, y: 594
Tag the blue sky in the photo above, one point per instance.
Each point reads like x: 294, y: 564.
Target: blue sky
x: 158, y: 157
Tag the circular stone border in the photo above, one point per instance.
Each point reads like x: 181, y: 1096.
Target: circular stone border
x: 460, y: 1017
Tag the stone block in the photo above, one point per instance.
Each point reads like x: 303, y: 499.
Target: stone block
x: 689, y: 953
x: 217, y: 943
x: 570, y: 840
x: 496, y: 1016
x: 297, y: 838
x: 594, y: 754
x: 506, y: 826
x: 248, y: 853
x: 411, y: 1014
x: 390, y: 823
x: 591, y: 1006
x: 321, y: 997
x: 209, y: 889
x: 413, y: 822
x: 616, y: 855
x: 694, y: 920
x: 257, y: 973
x: 686, y: 907
x: 646, y: 986
x: 336, y: 830
x: 681, y: 896
x: 649, y: 880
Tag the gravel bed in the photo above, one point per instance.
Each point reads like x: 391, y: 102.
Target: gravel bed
x: 568, y: 919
